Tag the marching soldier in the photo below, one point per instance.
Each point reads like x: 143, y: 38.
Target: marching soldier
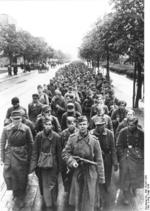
x: 118, y: 115
x: 106, y: 140
x: 16, y: 148
x: 46, y: 114
x: 46, y: 159
x: 15, y: 107
x: 86, y: 176
x: 100, y: 114
x: 70, y: 112
x: 34, y: 108
x: 130, y: 150
x: 71, y: 129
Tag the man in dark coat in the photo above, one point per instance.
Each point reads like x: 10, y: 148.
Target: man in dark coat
x: 99, y: 101
x: 86, y: 177
x: 100, y: 114
x: 70, y: 98
x: 118, y: 115
x: 87, y: 104
x: 125, y: 122
x: 70, y: 112
x: 71, y: 128
x: 47, y: 142
x: 16, y: 148
x: 15, y: 107
x: 43, y: 97
x: 130, y: 150
x: 34, y: 108
x: 58, y: 105
x: 46, y: 114
x: 106, y: 140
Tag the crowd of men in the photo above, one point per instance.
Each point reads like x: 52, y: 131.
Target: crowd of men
x: 76, y: 128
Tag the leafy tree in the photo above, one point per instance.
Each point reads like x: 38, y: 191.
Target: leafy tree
x: 118, y: 33
x: 9, y: 44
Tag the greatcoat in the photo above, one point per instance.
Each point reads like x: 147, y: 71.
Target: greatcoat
x: 16, y: 147
x: 86, y: 177
x: 130, y: 150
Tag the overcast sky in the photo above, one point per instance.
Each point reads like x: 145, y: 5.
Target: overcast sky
x: 62, y: 23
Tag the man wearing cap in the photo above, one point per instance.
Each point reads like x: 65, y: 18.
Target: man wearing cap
x: 100, y: 114
x: 70, y: 112
x: 106, y: 140
x: 99, y: 101
x: 87, y: 104
x: 47, y: 143
x: 15, y: 107
x: 70, y: 98
x: 130, y: 150
x: 46, y: 114
x: 71, y: 128
x: 86, y: 177
x: 43, y: 97
x: 16, y: 148
x: 58, y: 105
x: 119, y: 114
x: 125, y: 121
x: 28, y: 123
x: 34, y: 108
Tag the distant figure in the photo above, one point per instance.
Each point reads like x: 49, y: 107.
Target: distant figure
x: 15, y: 69
x: 9, y: 70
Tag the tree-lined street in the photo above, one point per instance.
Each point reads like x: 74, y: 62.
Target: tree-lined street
x: 71, y: 106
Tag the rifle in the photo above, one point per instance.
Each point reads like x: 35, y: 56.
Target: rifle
x: 85, y: 160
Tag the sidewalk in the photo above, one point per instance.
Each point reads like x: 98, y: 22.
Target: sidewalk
x: 5, y: 77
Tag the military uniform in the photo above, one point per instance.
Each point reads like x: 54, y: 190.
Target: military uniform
x: 108, y: 122
x: 130, y: 150
x: 34, y: 110
x: 16, y: 147
x: 118, y: 113
x: 107, y: 144
x: 48, y: 177
x: 66, y: 176
x: 86, y: 177
x: 40, y: 120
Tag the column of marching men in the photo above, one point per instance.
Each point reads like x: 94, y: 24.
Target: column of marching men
x: 76, y: 128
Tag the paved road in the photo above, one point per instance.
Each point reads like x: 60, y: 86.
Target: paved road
x: 24, y: 87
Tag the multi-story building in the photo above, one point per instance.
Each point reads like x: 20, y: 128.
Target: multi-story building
x: 7, y: 19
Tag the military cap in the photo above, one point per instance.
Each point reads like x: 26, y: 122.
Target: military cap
x: 46, y: 108
x: 35, y: 95
x: 14, y: 100
x: 122, y: 102
x: 16, y: 114
x: 70, y: 119
x: 70, y: 106
x: 100, y: 121
x: 82, y: 119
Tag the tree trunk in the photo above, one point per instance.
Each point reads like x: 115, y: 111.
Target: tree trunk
x: 134, y: 81
x: 107, y: 66
x: 98, y: 63
x: 139, y: 85
x: 10, y: 59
